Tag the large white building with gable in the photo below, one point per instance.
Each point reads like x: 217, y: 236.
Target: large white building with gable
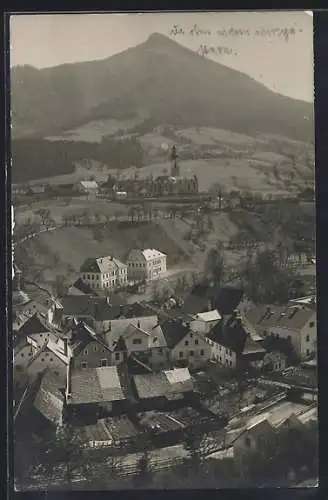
x: 148, y: 264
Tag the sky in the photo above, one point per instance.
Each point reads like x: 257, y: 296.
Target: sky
x: 286, y: 67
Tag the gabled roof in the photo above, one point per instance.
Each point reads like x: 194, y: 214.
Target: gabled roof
x: 174, y: 332
x: 259, y: 429
x: 120, y: 345
x: 53, y: 349
x: 149, y: 253
x: 83, y: 334
x: 79, y: 288
x: 199, y: 298
x: 292, y: 317
x: 98, y: 265
x: 228, y: 299
x: 83, y: 305
x: 230, y: 334
x: 118, y: 263
x: 89, y: 184
x: 95, y: 385
x: 49, y: 400
x: 35, y: 324
x: 209, y: 316
x: 164, y: 383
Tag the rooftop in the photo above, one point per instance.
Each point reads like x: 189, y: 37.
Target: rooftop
x: 49, y: 400
x: 173, y: 331
x: 83, y: 305
x: 99, y: 265
x: 89, y: 184
x: 291, y: 317
x: 231, y: 334
x: 165, y: 383
x: 209, y: 316
x: 95, y: 385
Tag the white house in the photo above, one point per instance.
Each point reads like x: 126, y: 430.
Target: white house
x: 204, y: 322
x: 296, y: 323
x: 141, y: 334
x: 146, y: 264
x: 231, y: 345
x: 104, y: 272
x: 185, y: 345
x: 89, y: 188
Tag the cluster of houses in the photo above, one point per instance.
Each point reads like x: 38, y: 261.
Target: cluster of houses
x: 91, y: 360
x: 109, y: 272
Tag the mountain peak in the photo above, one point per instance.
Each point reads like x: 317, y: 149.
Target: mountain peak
x: 156, y: 38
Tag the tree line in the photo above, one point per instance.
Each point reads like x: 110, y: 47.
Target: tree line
x: 38, y: 158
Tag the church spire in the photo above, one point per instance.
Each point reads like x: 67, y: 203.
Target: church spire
x: 175, y: 168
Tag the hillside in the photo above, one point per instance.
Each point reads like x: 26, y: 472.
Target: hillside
x: 158, y: 79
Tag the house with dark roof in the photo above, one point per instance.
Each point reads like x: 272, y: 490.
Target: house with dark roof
x: 295, y: 323
x: 97, y: 311
x: 232, y: 346
x: 208, y: 297
x: 35, y: 327
x: 94, y: 393
x: 186, y: 346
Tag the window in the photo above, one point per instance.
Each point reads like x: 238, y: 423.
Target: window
x: 84, y: 364
x: 85, y: 351
x: 22, y: 355
x: 160, y: 350
x: 155, y: 339
x: 191, y: 353
x: 307, y: 339
x: 186, y: 342
x: 180, y: 354
x: 103, y: 362
x: 136, y: 341
x: 196, y: 341
x: 311, y: 325
x: 202, y: 352
x: 247, y: 442
x: 117, y: 356
x: 307, y: 352
x: 95, y: 348
x: 88, y: 276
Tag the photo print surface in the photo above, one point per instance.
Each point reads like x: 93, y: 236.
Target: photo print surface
x: 164, y: 292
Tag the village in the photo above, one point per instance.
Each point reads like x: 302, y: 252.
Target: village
x: 139, y: 379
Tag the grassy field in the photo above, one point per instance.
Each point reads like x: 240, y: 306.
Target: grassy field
x: 76, y: 206
x: 63, y: 251
x: 248, y: 163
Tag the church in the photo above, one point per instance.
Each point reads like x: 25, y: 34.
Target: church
x: 163, y: 185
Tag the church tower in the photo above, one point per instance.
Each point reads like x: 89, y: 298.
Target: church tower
x: 175, y: 168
